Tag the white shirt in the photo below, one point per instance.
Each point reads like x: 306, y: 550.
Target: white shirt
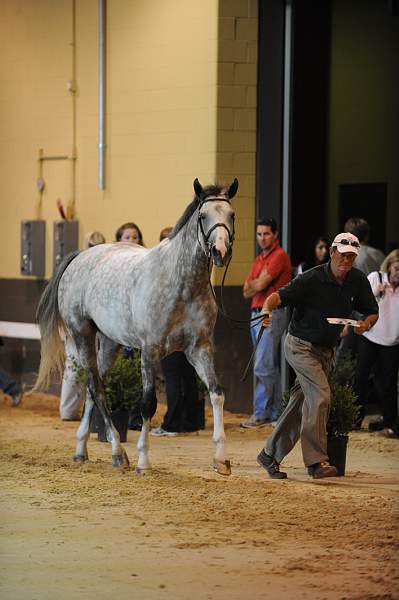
x: 386, y: 331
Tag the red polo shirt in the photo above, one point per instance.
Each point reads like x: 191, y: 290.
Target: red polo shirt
x: 278, y: 265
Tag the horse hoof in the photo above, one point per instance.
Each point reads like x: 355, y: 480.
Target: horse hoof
x: 222, y: 467
x: 120, y: 460
x: 142, y: 470
x: 80, y: 458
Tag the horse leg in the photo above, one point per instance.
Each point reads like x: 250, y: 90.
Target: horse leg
x: 202, y: 361
x: 83, y: 434
x: 105, y: 357
x: 148, y: 407
x: 87, y: 355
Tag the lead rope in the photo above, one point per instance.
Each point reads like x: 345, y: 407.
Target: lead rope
x: 220, y: 306
x: 222, y: 311
x: 258, y: 337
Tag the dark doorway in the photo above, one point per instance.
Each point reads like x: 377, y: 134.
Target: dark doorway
x: 310, y: 106
x: 308, y: 90
x: 368, y: 201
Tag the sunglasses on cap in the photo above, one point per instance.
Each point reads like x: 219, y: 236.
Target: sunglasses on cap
x: 346, y: 242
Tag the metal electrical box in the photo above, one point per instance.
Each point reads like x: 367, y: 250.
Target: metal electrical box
x: 66, y: 239
x: 33, y: 248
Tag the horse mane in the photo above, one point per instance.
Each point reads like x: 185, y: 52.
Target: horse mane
x: 209, y: 190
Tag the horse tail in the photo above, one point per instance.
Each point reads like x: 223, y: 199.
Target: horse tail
x: 50, y: 324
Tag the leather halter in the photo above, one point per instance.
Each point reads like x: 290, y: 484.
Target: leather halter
x: 206, y: 236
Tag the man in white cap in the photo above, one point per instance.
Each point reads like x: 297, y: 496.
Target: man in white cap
x: 333, y: 289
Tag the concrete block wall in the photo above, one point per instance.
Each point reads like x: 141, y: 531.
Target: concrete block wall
x: 236, y: 121
x: 160, y: 114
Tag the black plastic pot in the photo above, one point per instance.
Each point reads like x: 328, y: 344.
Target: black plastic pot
x: 120, y: 419
x: 336, y: 450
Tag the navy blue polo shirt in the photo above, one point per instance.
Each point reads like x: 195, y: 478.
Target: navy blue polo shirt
x: 316, y: 295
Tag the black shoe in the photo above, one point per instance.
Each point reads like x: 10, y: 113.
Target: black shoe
x: 135, y: 426
x: 271, y: 466
x: 377, y: 424
x: 322, y: 469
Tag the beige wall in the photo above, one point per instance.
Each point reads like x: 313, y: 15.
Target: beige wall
x: 167, y: 120
x: 236, y: 121
x: 364, y: 116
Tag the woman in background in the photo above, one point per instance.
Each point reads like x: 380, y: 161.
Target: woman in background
x: 378, y: 349
x: 318, y: 254
x: 129, y: 232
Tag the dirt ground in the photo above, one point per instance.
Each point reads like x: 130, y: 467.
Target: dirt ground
x: 184, y: 532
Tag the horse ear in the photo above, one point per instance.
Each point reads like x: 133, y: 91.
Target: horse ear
x: 197, y: 187
x: 233, y: 188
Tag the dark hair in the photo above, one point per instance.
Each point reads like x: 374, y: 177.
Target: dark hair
x: 359, y: 227
x: 165, y: 233
x: 130, y: 225
x: 268, y: 223
x: 311, y: 255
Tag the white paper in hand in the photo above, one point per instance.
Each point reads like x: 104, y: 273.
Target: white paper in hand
x: 339, y: 321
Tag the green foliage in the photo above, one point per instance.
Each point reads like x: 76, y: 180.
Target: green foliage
x: 123, y: 385
x: 344, y: 409
x: 344, y: 374
x: 81, y: 373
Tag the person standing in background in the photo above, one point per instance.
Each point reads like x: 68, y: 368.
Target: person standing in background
x: 270, y: 271
x: 379, y: 348
x: 318, y: 254
x: 369, y: 258
x: 93, y: 238
x: 131, y: 233
x: 185, y: 412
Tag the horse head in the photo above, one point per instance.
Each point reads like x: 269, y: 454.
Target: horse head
x: 216, y: 222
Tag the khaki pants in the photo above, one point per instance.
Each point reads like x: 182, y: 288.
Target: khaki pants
x: 306, y: 414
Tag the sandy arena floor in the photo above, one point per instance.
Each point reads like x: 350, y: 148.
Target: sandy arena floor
x: 183, y: 532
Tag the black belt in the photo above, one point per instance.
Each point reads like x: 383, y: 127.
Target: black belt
x: 256, y: 310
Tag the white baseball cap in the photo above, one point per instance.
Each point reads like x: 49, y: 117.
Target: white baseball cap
x: 346, y: 242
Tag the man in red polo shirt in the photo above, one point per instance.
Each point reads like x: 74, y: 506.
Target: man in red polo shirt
x: 270, y: 271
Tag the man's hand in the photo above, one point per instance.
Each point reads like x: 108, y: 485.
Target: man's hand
x: 271, y: 302
x: 365, y: 325
x: 361, y: 327
x: 267, y: 318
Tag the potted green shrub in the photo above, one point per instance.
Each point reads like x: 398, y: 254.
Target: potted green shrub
x: 344, y: 412
x: 123, y: 390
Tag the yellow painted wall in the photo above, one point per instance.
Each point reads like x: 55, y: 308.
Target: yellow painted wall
x: 364, y: 116
x: 181, y: 90
x: 236, y: 122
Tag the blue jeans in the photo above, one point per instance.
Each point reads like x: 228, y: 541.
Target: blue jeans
x: 267, y: 393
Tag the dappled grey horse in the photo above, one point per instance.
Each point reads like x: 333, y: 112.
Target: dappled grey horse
x: 158, y: 300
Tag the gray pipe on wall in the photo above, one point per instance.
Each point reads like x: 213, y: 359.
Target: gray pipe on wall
x: 101, y: 93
